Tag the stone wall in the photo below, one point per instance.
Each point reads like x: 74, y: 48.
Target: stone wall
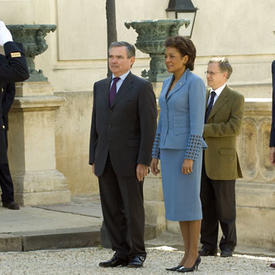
x: 256, y: 190
x: 73, y: 122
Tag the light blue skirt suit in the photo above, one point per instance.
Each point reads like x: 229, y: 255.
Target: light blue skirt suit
x: 179, y: 137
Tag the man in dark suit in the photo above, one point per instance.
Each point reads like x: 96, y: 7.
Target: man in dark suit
x: 272, y: 131
x: 221, y: 166
x: 13, y: 68
x: 122, y: 134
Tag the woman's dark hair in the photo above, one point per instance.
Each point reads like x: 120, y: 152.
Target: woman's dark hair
x: 185, y: 46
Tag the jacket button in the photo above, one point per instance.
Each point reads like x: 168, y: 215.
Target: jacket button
x: 3, y: 126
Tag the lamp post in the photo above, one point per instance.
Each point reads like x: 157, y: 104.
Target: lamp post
x: 182, y: 9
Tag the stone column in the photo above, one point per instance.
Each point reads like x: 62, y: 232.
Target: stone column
x: 32, y: 128
x: 32, y: 146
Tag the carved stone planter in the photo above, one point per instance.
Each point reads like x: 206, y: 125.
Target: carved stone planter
x: 33, y: 39
x: 151, y: 37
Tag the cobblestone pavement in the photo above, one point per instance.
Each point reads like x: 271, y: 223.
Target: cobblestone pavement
x: 85, y: 261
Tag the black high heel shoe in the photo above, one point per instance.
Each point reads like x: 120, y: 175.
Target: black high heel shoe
x: 175, y: 268
x: 190, y: 269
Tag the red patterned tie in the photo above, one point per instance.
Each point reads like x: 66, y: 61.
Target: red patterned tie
x: 112, y: 93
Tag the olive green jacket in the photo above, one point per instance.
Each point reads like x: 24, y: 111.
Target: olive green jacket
x: 220, y: 133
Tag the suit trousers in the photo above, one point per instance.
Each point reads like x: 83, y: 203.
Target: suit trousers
x: 6, y: 180
x: 218, y: 206
x: 123, y: 212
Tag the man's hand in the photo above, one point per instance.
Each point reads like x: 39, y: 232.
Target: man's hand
x: 141, y: 171
x: 272, y: 155
x: 154, y: 166
x: 187, y: 166
x: 5, y: 35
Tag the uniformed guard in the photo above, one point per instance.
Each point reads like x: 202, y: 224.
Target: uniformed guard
x: 13, y: 68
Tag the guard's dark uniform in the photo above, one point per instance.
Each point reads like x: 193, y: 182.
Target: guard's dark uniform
x: 13, y: 68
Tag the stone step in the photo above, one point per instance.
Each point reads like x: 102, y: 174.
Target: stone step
x: 58, y: 239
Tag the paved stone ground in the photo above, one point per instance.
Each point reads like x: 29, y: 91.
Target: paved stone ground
x: 85, y: 261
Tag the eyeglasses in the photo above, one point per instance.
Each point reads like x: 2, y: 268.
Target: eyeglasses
x: 212, y: 73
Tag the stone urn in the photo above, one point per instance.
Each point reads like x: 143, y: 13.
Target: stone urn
x: 151, y: 37
x: 33, y: 39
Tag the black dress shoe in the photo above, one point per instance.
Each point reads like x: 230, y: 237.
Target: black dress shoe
x: 115, y: 261
x: 207, y: 252
x: 136, y: 261
x: 175, y: 268
x: 11, y: 205
x: 226, y: 252
x: 272, y: 265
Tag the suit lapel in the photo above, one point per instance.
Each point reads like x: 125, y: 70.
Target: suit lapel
x: 124, y: 89
x: 222, y: 99
x: 106, y: 88
x: 181, y: 82
x: 167, y: 86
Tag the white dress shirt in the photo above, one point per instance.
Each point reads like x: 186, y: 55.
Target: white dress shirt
x: 218, y: 92
x: 120, y: 81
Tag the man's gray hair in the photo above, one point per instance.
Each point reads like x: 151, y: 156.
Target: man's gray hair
x: 224, y: 64
x: 131, y: 51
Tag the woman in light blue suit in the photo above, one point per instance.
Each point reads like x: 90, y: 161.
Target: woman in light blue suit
x: 179, y: 144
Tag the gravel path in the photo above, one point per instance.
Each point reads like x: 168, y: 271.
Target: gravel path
x: 85, y: 261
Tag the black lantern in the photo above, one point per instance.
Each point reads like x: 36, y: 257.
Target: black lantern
x: 182, y: 9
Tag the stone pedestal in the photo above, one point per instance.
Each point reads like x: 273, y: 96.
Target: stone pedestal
x: 32, y: 146
x: 256, y: 214
x: 154, y: 204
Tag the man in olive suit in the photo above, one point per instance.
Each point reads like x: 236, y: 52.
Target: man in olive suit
x: 224, y: 112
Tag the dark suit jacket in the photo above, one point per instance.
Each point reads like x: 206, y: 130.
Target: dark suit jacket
x: 220, y: 133
x: 272, y: 132
x: 13, y: 67
x: 126, y: 130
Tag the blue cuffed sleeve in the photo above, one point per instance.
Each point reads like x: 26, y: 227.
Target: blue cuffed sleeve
x: 194, y: 146
x: 155, y: 150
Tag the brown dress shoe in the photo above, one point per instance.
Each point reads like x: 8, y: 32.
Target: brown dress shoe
x: 11, y: 205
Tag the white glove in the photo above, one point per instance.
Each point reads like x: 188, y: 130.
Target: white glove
x: 5, y: 35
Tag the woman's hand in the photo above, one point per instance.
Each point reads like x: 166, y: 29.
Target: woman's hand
x: 154, y: 166
x: 187, y: 166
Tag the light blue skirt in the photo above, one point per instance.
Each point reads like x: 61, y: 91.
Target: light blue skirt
x: 181, y: 192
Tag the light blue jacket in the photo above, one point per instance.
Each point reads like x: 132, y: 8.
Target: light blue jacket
x: 181, y: 118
